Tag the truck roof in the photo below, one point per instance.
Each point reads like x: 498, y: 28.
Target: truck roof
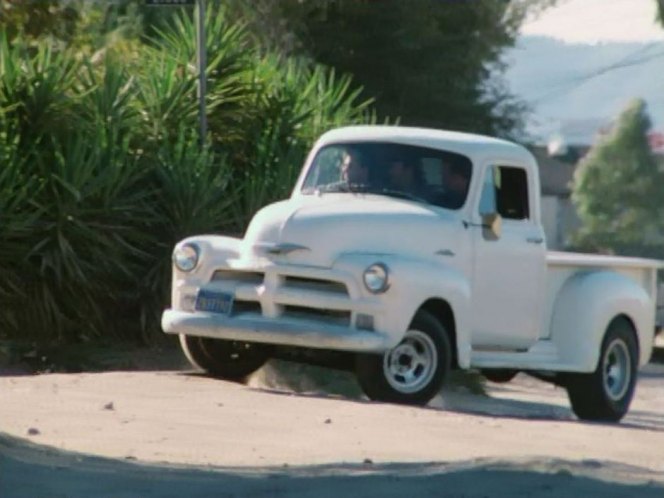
x: 464, y: 143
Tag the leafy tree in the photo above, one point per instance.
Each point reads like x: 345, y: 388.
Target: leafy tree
x: 619, y: 190
x: 35, y: 18
x: 427, y: 62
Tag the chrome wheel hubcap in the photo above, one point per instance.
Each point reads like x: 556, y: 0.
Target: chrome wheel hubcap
x: 616, y: 370
x: 411, y: 365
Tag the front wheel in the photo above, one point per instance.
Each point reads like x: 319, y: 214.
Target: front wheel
x: 232, y: 360
x: 414, y: 370
x: 606, y: 393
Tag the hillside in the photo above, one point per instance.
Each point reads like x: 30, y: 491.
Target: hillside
x: 583, y: 86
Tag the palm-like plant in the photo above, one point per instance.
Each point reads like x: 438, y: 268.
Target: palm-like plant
x: 89, y: 233
x: 36, y: 89
x: 193, y: 197
x: 102, y: 169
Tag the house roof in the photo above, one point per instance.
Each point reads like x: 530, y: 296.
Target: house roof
x: 557, y: 172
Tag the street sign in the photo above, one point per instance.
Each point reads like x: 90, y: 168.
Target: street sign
x: 175, y: 3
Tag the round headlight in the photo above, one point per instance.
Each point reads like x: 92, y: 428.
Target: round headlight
x: 376, y: 278
x: 185, y: 257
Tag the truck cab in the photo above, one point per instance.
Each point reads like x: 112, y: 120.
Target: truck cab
x: 404, y: 253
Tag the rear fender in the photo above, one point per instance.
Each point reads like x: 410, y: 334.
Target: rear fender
x: 584, y: 308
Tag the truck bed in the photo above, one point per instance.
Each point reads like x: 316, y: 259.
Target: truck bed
x: 558, y: 258
x: 563, y: 265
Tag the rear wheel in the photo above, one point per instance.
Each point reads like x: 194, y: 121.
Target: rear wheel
x: 414, y: 370
x: 232, y: 360
x: 607, y: 393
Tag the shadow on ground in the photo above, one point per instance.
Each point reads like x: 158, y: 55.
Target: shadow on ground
x: 28, y: 471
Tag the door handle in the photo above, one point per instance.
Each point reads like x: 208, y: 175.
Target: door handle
x: 534, y: 240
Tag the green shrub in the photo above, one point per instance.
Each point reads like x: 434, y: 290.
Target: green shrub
x: 102, y: 170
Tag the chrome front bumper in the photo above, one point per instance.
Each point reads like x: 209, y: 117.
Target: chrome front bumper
x: 273, y: 331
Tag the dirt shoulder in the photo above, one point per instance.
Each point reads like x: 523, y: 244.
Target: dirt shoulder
x: 99, y: 434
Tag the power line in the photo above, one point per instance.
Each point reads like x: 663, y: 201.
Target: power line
x: 627, y: 61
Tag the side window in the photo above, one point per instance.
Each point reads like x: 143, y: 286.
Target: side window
x: 505, y: 191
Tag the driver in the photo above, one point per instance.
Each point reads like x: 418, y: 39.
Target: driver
x: 353, y: 169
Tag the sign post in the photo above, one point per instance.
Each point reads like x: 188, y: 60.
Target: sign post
x: 201, y: 55
x: 201, y: 63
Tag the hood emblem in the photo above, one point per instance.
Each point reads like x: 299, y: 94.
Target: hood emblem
x: 277, y: 249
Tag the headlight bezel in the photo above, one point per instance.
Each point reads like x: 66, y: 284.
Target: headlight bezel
x: 373, y: 271
x: 193, y: 257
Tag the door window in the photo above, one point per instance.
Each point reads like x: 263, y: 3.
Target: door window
x: 505, y: 191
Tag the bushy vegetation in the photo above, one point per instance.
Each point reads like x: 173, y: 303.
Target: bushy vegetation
x: 430, y: 63
x: 619, y: 190
x: 102, y: 169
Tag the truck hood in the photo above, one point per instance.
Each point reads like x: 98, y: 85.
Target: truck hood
x: 316, y: 230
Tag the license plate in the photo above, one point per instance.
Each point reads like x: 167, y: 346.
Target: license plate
x: 214, y: 302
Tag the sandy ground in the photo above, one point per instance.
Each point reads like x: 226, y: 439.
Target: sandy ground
x: 163, y: 434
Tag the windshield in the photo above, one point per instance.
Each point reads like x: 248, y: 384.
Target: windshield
x: 422, y: 174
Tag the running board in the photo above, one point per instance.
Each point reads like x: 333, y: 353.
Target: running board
x: 541, y: 356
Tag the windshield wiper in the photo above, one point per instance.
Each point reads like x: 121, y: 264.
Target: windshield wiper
x: 342, y: 187
x: 368, y: 189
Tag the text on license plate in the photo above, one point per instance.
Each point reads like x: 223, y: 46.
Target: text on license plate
x: 214, y: 302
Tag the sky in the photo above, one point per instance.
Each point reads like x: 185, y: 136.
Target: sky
x: 581, y: 62
x: 593, y: 21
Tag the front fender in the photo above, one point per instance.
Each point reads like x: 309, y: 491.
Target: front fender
x: 412, y: 283
x: 214, y: 251
x: 585, y: 306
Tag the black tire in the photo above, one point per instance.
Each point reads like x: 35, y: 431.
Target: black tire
x: 231, y: 360
x: 500, y: 375
x: 428, y: 340
x: 605, y: 394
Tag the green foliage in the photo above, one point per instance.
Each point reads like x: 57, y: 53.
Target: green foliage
x: 102, y: 169
x: 619, y: 190
x: 36, y: 90
x: 292, y: 104
x: 429, y: 62
x: 38, y: 18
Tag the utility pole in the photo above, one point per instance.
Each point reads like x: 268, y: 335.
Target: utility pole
x: 201, y: 55
x: 201, y: 65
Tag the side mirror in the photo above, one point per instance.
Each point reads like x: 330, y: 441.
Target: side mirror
x: 492, y: 226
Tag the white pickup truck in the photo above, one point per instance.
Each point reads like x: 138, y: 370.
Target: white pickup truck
x: 403, y: 253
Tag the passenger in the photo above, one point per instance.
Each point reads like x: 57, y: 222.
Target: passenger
x: 404, y: 176
x: 456, y: 185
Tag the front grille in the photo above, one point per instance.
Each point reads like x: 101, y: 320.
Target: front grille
x: 252, y: 296
x: 309, y: 284
x: 239, y: 277
x: 240, y: 307
x: 335, y: 317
